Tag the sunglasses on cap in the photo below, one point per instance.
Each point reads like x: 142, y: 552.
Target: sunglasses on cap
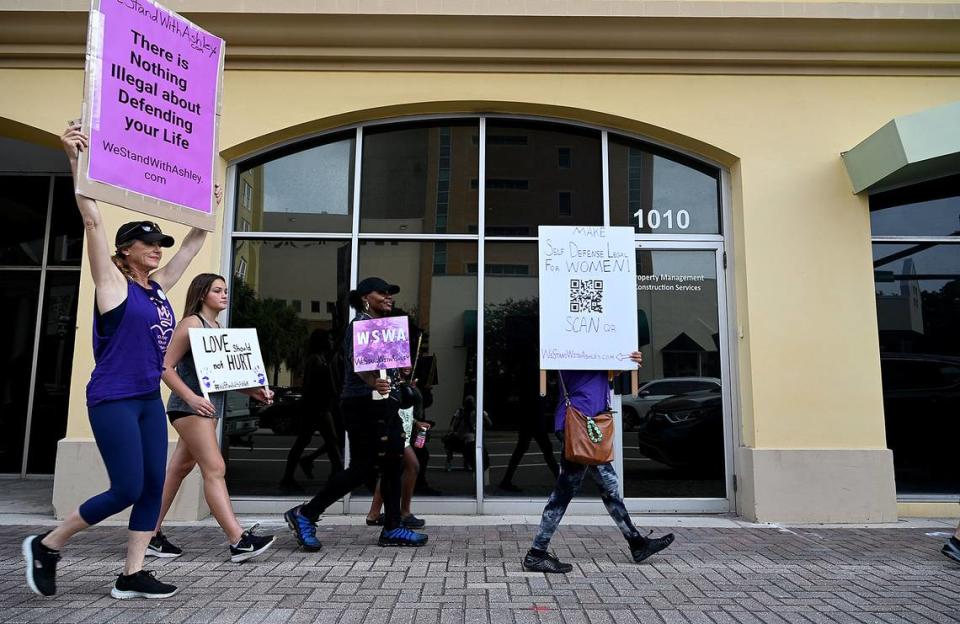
x: 146, y: 231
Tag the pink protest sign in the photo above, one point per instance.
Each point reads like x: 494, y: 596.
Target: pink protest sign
x: 151, y: 111
x: 381, y: 343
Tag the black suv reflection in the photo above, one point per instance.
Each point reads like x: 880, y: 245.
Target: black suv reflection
x: 921, y: 404
x: 686, y: 431
x: 281, y: 416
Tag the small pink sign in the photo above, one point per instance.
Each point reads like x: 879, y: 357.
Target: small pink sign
x: 382, y: 343
x: 153, y: 102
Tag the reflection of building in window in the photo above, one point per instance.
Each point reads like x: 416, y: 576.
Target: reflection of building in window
x: 503, y: 139
x: 503, y: 184
x: 564, y: 204
x: 903, y: 311
x: 443, y: 180
x: 246, y: 195
x: 684, y: 357
x: 439, y: 258
x: 241, y: 272
x: 499, y: 269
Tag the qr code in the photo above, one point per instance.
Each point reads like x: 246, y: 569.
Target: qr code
x: 586, y: 296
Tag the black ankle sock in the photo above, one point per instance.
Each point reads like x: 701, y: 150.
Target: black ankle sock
x: 46, y: 548
x: 536, y: 552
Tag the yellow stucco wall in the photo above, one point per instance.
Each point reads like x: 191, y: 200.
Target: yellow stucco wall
x: 809, y: 371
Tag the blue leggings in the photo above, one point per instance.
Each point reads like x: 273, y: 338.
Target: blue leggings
x: 132, y: 437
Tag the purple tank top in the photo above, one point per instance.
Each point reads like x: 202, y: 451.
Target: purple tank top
x: 129, y: 361
x: 589, y: 392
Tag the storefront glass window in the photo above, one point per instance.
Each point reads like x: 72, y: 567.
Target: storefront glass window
x: 440, y: 298
x: 529, y: 166
x: 416, y: 178
x: 307, y: 188
x: 58, y: 328
x: 661, y: 192
x: 66, y: 226
x: 18, y: 318
x: 673, y: 429
x: 420, y: 184
x: 931, y: 209
x: 918, y: 304
x: 292, y: 446
x: 917, y: 285
x: 23, y: 202
x: 524, y: 453
x: 31, y: 290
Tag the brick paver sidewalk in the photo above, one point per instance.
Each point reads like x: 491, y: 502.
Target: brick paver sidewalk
x: 472, y: 574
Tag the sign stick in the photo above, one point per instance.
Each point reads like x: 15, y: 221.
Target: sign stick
x: 376, y: 393
x: 543, y: 383
x: 634, y: 382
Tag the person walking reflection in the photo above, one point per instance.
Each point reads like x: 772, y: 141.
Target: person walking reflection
x: 316, y: 412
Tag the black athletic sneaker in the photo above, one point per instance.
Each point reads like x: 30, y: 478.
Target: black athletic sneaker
x: 160, y: 546
x: 413, y: 522
x: 250, y: 545
x: 951, y: 549
x: 643, y: 547
x: 141, y: 584
x: 41, y: 565
x: 402, y: 536
x: 546, y: 562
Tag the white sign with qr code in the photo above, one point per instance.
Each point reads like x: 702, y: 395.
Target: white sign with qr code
x: 588, y: 297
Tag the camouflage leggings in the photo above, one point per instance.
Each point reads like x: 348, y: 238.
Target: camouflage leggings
x: 568, y: 485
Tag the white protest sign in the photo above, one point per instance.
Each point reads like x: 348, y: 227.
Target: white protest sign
x: 588, y: 298
x: 227, y: 359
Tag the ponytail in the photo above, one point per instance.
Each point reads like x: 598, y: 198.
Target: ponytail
x: 121, y: 263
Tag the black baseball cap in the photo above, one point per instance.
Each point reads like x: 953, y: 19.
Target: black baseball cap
x: 376, y: 284
x: 146, y: 231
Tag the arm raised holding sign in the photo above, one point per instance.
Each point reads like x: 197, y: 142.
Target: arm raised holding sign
x: 138, y: 243
x: 132, y: 327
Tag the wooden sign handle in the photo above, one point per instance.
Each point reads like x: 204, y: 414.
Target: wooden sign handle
x: 634, y: 382
x: 543, y: 383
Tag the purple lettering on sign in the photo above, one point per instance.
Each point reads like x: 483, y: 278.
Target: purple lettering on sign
x: 155, y: 130
x: 382, y: 343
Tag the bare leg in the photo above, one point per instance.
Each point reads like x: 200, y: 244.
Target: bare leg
x: 136, y: 550
x: 181, y: 463
x: 410, y: 469
x: 956, y: 533
x: 200, y: 436
x: 376, y: 504
x: 70, y: 526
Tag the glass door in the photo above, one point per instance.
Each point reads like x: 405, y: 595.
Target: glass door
x: 676, y: 433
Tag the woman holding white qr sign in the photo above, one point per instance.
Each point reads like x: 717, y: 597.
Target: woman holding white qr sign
x: 195, y: 419
x: 585, y: 395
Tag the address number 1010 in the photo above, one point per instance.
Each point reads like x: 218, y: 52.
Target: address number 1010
x: 653, y: 219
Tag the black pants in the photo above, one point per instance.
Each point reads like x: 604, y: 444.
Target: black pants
x: 376, y: 450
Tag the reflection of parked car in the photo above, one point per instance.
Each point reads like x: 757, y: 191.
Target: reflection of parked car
x: 636, y: 409
x: 238, y: 420
x: 686, y: 431
x: 281, y: 416
x: 921, y: 404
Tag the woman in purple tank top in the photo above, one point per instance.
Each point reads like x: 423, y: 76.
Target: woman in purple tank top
x: 133, y: 323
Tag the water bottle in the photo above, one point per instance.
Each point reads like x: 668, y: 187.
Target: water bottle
x: 420, y: 439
